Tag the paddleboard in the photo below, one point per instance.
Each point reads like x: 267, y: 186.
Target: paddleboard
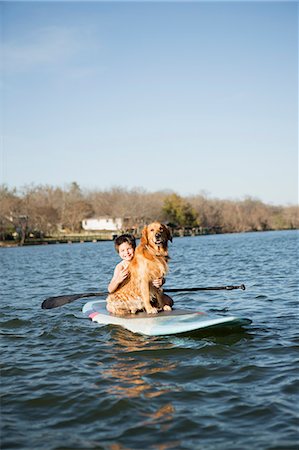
x: 163, y: 323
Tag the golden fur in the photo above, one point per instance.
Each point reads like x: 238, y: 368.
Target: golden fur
x: 148, y: 264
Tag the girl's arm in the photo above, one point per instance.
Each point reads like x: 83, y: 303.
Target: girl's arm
x: 120, y: 274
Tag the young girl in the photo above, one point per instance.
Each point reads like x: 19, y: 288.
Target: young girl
x: 125, y: 246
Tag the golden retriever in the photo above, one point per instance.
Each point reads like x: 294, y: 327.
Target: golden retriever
x: 149, y: 263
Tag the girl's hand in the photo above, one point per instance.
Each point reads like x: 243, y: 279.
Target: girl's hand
x: 122, y: 275
x: 158, y: 282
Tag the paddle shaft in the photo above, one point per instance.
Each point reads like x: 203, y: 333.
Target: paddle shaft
x: 217, y: 288
x: 60, y: 300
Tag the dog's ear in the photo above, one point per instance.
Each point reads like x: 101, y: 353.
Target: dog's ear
x: 144, y: 236
x: 168, y: 233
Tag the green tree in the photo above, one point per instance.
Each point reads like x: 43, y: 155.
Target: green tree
x: 179, y: 212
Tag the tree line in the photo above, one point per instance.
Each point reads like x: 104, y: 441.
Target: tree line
x: 46, y: 210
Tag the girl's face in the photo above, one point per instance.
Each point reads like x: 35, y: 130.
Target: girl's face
x: 126, y: 251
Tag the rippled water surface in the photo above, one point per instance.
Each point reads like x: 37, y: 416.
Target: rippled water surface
x: 68, y: 383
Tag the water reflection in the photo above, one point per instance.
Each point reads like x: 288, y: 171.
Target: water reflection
x: 159, y: 446
x: 129, y: 378
x: 137, y: 370
x: 126, y: 341
x: 164, y: 413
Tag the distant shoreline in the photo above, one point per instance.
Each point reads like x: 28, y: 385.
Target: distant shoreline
x: 83, y: 238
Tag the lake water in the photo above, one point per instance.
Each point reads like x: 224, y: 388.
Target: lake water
x: 68, y: 383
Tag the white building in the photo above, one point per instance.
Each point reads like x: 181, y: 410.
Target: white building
x: 102, y: 223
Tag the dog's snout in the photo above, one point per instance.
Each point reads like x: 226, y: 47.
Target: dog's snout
x: 158, y: 235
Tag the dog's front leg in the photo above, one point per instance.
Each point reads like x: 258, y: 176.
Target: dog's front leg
x: 146, y: 298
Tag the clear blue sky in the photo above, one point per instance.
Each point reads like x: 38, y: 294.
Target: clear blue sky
x: 187, y: 96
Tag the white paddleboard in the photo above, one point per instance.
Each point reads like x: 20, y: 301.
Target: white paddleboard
x: 163, y: 323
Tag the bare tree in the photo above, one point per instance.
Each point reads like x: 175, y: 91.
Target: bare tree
x: 75, y: 208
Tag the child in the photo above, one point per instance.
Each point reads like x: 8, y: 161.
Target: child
x: 125, y: 246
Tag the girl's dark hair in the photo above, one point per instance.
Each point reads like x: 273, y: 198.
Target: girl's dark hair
x: 129, y: 238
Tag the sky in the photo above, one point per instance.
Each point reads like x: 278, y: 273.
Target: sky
x: 194, y: 97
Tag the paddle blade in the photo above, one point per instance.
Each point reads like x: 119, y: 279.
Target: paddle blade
x: 60, y: 300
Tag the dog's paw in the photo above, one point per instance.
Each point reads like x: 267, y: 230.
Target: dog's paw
x: 152, y: 310
x: 167, y: 308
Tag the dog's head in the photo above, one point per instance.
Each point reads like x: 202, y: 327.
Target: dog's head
x: 156, y: 234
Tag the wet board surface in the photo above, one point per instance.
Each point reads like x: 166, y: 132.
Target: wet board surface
x: 163, y: 323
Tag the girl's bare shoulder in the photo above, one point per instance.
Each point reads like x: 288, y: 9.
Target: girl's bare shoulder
x: 121, y: 265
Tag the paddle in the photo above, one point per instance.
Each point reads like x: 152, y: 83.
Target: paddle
x: 60, y: 300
